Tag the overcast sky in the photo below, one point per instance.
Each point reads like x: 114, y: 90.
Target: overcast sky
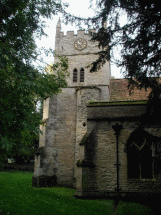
x: 78, y: 8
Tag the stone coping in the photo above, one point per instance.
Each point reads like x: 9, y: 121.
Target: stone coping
x: 116, y: 110
x: 117, y: 103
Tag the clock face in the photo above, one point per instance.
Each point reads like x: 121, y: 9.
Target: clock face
x: 80, y: 44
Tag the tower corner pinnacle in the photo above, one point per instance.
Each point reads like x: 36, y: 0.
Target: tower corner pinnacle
x: 59, y: 23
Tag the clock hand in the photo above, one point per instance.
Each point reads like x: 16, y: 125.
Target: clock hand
x: 79, y: 43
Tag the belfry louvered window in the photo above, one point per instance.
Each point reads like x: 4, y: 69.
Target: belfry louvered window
x: 82, y: 75
x: 75, y: 75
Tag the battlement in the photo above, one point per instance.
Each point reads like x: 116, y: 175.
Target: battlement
x: 65, y: 43
x: 70, y: 34
x: 80, y: 33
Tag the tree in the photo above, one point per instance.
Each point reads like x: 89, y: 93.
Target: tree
x: 21, y: 84
x: 139, y: 39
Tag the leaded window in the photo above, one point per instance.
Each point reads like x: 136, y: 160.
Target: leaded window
x: 82, y: 75
x: 75, y: 75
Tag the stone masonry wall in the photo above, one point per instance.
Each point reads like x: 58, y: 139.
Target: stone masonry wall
x: 102, y: 178
x: 64, y: 46
x: 65, y: 115
x: 84, y: 95
x: 60, y: 138
x: 95, y: 86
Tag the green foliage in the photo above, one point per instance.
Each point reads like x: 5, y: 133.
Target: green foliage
x: 19, y: 117
x: 139, y: 39
x: 21, y: 84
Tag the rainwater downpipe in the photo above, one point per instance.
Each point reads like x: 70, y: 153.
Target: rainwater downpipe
x: 117, y: 128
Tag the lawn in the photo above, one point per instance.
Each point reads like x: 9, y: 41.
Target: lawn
x: 17, y: 196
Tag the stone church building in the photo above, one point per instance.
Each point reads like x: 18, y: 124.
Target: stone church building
x: 93, y: 138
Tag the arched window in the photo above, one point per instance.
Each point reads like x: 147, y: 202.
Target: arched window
x: 82, y: 75
x: 142, y: 162
x: 75, y: 75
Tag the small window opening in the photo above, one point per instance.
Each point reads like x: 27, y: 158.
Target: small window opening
x: 84, y: 124
x: 75, y: 75
x: 82, y: 75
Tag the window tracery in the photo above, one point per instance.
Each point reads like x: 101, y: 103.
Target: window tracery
x: 143, y: 161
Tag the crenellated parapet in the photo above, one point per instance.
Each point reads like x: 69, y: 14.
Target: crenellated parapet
x: 80, y: 33
x: 81, y: 52
x: 65, y: 44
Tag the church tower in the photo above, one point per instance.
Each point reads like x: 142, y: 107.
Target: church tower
x: 65, y: 115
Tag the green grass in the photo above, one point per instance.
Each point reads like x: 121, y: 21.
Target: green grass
x: 17, y: 196
x: 131, y: 208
